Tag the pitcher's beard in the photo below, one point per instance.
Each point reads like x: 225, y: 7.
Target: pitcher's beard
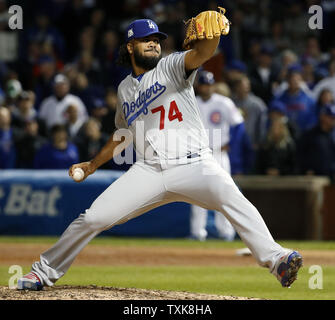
x: 146, y: 63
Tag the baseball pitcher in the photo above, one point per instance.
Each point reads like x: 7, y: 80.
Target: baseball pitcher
x: 157, y: 105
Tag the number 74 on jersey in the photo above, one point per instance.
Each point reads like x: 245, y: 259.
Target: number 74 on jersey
x: 173, y: 114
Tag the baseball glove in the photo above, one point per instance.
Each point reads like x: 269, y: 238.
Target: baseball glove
x: 206, y: 25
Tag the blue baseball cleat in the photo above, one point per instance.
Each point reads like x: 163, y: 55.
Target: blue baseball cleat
x: 30, y: 281
x: 287, y: 268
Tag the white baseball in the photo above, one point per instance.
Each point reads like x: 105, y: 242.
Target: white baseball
x: 78, y: 174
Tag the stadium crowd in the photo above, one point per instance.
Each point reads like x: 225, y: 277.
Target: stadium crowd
x: 59, y: 76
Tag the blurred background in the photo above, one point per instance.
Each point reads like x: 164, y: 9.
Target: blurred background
x: 58, y: 82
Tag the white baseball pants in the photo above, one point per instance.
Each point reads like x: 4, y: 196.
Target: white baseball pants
x: 143, y: 187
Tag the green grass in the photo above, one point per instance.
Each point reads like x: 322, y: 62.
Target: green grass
x: 244, y: 281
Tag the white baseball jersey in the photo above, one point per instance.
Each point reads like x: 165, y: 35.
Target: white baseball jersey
x: 219, y: 112
x: 160, y: 109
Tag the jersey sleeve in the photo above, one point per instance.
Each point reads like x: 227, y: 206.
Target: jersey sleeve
x: 174, y: 69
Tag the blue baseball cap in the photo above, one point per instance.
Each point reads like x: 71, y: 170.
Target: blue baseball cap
x: 328, y: 110
x: 142, y: 28
x: 294, y: 68
x: 237, y: 65
x: 206, y: 77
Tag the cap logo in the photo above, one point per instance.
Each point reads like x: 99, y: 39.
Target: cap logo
x: 151, y: 25
x: 130, y: 33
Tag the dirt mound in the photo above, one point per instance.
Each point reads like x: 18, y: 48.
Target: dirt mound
x: 106, y: 293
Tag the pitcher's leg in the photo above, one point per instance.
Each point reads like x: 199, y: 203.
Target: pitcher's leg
x: 205, y: 183
x: 134, y: 193
x: 55, y: 262
x: 243, y: 216
x: 250, y: 226
x: 198, y: 222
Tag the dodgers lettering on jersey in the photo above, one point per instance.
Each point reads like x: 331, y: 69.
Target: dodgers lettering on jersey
x: 160, y: 109
x: 132, y: 111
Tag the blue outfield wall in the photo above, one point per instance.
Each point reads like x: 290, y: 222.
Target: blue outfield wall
x: 45, y: 202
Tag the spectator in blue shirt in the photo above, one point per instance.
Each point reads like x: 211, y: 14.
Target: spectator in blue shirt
x: 7, y: 148
x: 300, y: 107
x: 59, y: 153
x: 241, y: 153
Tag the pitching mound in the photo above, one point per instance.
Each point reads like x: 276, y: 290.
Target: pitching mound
x: 106, y: 293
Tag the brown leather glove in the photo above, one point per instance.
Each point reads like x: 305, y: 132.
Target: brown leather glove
x: 206, y: 25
